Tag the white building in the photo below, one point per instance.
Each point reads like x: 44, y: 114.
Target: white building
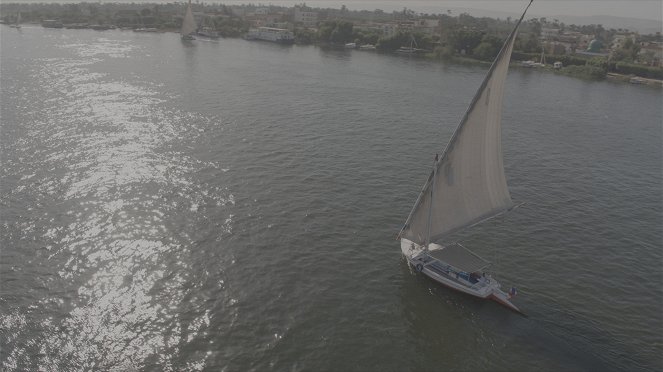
x: 549, y: 33
x: 654, y: 49
x: 261, y: 11
x: 389, y: 29
x: 427, y: 26
x: 306, y: 17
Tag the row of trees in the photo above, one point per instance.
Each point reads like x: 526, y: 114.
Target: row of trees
x: 457, y: 37
x: 161, y: 16
x: 336, y: 32
x: 474, y: 37
x: 482, y: 38
x: 479, y: 38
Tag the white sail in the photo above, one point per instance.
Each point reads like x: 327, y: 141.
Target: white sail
x: 17, y: 24
x: 188, y: 24
x: 468, y: 184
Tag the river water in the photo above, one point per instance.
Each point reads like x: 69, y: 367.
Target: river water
x: 232, y: 205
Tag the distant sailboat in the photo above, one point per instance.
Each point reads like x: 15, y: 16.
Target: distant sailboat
x: 188, y: 24
x: 18, y: 21
x: 542, y: 61
x: 466, y: 187
x: 413, y: 48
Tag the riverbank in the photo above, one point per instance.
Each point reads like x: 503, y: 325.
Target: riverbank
x: 587, y: 71
x: 580, y: 72
x: 585, y: 51
x: 634, y: 79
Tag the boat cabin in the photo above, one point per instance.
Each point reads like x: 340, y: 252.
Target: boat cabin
x: 460, y: 257
x: 457, y: 263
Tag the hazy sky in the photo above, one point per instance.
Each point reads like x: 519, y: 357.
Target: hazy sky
x: 646, y: 9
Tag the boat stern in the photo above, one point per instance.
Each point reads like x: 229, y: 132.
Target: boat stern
x: 504, y: 299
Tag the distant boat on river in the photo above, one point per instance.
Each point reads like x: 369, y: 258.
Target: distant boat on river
x: 275, y: 35
x: 188, y: 25
x: 51, y: 23
x: 17, y: 24
x: 466, y: 187
x: 102, y: 27
x: 407, y: 50
x: 541, y: 63
x: 412, y: 49
x: 146, y: 29
x: 207, y: 32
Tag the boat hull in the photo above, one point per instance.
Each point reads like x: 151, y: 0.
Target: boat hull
x: 274, y: 35
x: 491, y: 291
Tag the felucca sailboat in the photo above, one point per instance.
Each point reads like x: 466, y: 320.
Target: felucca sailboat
x: 17, y: 24
x: 188, y: 24
x: 466, y: 186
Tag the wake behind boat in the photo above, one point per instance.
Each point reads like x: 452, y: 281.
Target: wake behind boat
x: 466, y: 187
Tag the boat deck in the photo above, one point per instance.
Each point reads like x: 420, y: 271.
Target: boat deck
x: 460, y: 257
x: 460, y: 277
x: 456, y: 264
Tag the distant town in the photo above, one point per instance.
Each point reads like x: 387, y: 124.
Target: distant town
x: 590, y: 51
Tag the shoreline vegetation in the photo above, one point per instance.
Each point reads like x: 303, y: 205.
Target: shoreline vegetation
x: 584, y: 51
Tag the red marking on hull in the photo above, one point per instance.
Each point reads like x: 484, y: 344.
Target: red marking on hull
x: 505, y: 304
x: 454, y: 288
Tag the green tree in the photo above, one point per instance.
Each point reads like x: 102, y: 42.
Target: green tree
x: 628, y: 52
x: 335, y: 31
x: 599, y: 62
x: 488, y: 48
x: 368, y: 37
x: 304, y: 36
x: 528, y: 43
x: 342, y: 33
x: 325, y: 30
x: 465, y: 39
x: 390, y: 44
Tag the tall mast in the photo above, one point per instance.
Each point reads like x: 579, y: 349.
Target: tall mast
x: 430, y: 209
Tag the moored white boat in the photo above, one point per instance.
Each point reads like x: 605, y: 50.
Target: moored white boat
x: 528, y: 64
x: 407, y: 50
x: 275, y: 35
x: 208, y: 33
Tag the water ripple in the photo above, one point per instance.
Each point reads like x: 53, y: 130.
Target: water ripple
x: 99, y: 162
